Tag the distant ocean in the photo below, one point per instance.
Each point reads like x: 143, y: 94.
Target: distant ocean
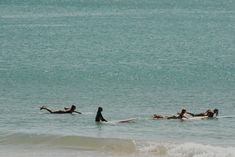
x: 134, y: 58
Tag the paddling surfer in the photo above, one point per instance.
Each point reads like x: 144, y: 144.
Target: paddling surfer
x: 66, y: 110
x: 209, y: 113
x: 99, y: 117
x: 179, y: 116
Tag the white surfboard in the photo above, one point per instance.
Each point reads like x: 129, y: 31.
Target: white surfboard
x: 229, y: 116
x: 196, y: 118
x: 113, y: 122
x: 129, y: 120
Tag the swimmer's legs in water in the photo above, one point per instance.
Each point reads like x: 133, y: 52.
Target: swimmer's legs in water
x: 45, y: 108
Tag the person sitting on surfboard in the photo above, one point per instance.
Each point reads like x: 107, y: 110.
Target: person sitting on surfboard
x: 209, y: 113
x: 179, y: 116
x: 66, y: 110
x: 99, y: 116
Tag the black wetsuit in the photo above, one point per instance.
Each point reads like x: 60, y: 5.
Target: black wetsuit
x: 99, y: 117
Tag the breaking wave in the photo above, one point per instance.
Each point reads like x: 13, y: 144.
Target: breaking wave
x: 114, y: 145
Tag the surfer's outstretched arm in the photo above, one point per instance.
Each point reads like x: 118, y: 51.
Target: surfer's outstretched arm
x: 102, y: 118
x: 190, y: 113
x: 78, y: 112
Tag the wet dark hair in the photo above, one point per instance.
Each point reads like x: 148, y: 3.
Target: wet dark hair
x: 73, y: 107
x: 216, y: 111
x: 183, y: 110
x: 100, y: 109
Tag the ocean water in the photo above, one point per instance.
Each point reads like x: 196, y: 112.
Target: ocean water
x: 134, y: 58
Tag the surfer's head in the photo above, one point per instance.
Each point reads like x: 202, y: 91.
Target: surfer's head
x: 216, y: 111
x: 73, y: 108
x: 183, y: 111
x: 100, y: 109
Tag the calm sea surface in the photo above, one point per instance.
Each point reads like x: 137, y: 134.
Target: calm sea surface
x: 134, y: 58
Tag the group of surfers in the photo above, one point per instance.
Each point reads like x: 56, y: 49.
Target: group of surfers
x: 184, y: 114
x: 99, y: 117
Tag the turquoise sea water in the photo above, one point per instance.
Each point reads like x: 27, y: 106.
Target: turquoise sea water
x: 134, y: 58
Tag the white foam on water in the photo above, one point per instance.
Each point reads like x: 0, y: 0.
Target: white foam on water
x: 186, y: 150
x: 200, y: 150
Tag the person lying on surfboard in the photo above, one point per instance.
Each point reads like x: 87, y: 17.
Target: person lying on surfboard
x: 178, y: 116
x: 99, y: 117
x: 209, y: 113
x: 66, y: 110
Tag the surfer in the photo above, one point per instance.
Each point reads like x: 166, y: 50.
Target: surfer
x: 66, y: 110
x: 178, y: 116
x: 99, y: 116
x: 209, y: 113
